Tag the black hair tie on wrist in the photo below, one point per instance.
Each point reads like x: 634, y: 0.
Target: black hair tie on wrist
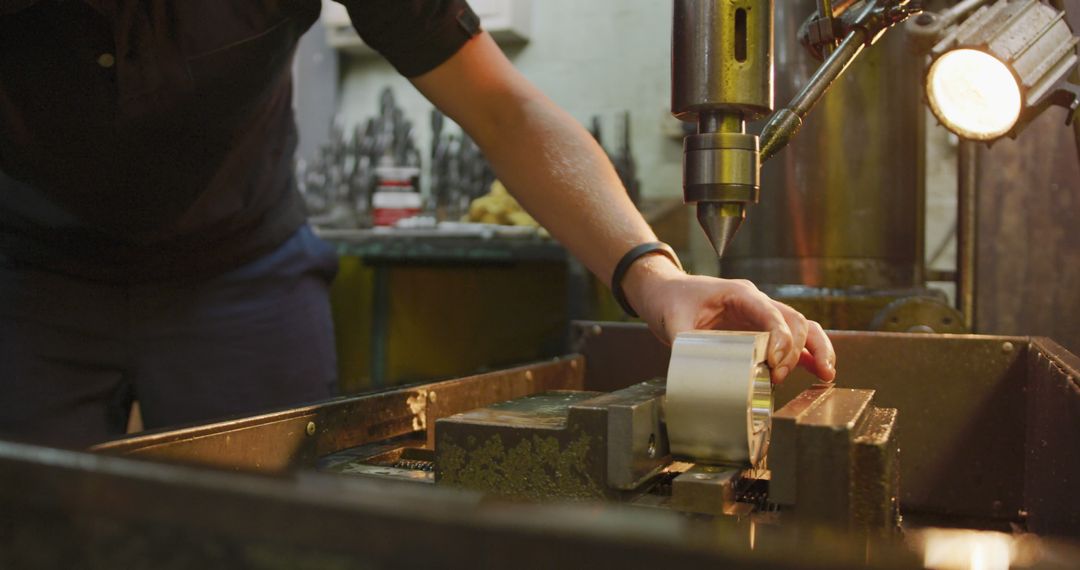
x: 627, y: 260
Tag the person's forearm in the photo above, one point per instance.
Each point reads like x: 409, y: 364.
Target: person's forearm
x: 545, y: 158
x: 564, y: 179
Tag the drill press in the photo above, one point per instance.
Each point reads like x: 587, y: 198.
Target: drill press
x: 721, y: 77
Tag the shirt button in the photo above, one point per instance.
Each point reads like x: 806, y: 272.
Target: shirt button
x: 106, y: 60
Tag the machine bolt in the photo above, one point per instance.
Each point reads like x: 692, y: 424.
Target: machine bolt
x: 529, y: 375
x: 595, y: 330
x: 311, y: 428
x: 1007, y: 347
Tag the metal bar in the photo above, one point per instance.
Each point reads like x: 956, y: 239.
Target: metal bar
x: 705, y: 489
x: 289, y: 439
x: 783, y: 125
x: 967, y: 230
x: 958, y: 11
x: 829, y: 71
x: 825, y: 8
x: 783, y: 458
x: 824, y: 432
x: 920, y: 269
x: 825, y: 11
x: 65, y: 509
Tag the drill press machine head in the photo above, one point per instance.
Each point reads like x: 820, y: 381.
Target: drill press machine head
x: 721, y: 77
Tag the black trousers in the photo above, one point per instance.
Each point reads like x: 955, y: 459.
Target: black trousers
x: 75, y: 354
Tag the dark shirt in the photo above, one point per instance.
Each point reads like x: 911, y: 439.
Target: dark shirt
x: 154, y: 139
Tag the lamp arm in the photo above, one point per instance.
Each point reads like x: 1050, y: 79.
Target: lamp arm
x: 860, y: 25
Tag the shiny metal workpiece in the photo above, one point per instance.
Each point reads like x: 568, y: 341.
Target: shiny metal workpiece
x: 705, y: 489
x: 835, y: 459
x: 719, y: 397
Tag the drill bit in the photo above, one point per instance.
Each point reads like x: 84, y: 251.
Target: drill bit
x: 720, y: 220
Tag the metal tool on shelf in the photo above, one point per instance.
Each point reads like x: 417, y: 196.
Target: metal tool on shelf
x: 459, y: 171
x: 622, y: 158
x: 339, y: 183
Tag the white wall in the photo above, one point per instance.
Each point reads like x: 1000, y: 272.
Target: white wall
x: 592, y: 57
x: 941, y: 196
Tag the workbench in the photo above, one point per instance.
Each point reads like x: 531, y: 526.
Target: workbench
x: 417, y: 305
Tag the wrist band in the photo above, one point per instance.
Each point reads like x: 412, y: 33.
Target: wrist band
x: 627, y: 260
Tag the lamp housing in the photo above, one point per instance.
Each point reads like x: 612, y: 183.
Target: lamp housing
x: 993, y: 72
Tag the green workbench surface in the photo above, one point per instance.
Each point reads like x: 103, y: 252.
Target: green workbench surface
x: 385, y: 245
x: 415, y: 305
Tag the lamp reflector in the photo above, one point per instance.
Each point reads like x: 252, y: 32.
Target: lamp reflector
x: 973, y: 94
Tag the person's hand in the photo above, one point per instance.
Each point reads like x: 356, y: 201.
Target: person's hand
x: 671, y: 302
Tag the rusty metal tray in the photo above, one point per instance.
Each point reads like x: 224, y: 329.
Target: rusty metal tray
x: 989, y: 427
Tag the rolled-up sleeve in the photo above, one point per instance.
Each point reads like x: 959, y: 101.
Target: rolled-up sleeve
x: 415, y: 36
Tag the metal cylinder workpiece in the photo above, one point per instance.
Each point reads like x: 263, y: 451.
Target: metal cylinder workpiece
x: 719, y: 401
x: 721, y: 57
x: 720, y: 167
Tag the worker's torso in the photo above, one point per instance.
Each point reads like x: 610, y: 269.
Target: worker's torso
x: 144, y: 139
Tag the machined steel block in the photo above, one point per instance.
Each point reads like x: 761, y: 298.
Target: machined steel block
x: 834, y: 458
x: 569, y: 445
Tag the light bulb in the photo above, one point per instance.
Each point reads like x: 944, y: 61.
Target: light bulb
x: 973, y: 94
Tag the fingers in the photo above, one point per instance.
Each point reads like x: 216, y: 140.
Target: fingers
x: 705, y: 303
x: 817, y: 356
x: 799, y: 327
x: 821, y: 349
x: 761, y: 313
